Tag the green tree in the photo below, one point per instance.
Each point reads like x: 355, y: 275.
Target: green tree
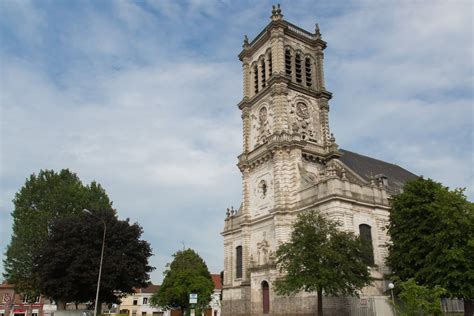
x: 186, y: 274
x: 68, y: 263
x: 44, y: 197
x: 432, y: 238
x: 418, y: 299
x: 320, y: 257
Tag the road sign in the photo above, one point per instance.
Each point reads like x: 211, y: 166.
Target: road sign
x: 193, y: 298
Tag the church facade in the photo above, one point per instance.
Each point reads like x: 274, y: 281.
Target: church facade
x: 291, y: 163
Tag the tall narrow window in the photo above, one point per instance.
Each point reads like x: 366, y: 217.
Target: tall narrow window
x: 366, y: 237
x: 238, y: 262
x: 298, y: 68
x: 255, y: 75
x: 270, y: 70
x: 264, y: 78
x: 288, y: 62
x: 265, y: 297
x: 307, y: 67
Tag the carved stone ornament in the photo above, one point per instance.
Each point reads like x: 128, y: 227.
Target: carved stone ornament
x: 302, y: 121
x: 302, y: 110
x: 263, y: 251
x: 262, y: 189
x: 261, y: 126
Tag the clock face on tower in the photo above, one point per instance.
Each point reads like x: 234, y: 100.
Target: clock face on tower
x: 302, y: 110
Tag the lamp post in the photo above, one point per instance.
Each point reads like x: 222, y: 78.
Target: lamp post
x: 101, y: 258
x: 391, y: 286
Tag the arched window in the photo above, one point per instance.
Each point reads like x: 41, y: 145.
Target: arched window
x: 298, y: 68
x: 270, y: 70
x: 238, y: 262
x: 288, y: 62
x: 265, y: 297
x: 264, y: 78
x: 366, y: 237
x: 255, y: 75
x: 307, y: 67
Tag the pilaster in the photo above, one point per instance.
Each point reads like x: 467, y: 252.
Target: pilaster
x: 278, y: 51
x: 279, y: 98
x: 246, y: 77
x: 246, y: 129
x: 320, y: 69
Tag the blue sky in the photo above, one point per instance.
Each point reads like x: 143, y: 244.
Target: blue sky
x: 141, y: 96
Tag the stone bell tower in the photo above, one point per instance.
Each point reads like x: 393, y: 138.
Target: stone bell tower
x: 291, y: 163
x: 285, y: 118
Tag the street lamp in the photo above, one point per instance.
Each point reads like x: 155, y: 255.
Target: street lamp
x: 101, y: 258
x: 391, y: 286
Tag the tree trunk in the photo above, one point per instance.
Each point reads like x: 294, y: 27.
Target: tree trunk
x: 468, y: 307
x: 61, y: 305
x: 99, y: 308
x: 320, y: 302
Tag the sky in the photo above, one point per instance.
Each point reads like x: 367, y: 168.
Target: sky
x: 141, y: 96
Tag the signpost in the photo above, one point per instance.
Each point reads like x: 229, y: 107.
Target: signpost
x: 193, y: 299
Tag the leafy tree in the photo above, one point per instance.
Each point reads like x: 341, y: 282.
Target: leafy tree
x: 320, y: 257
x: 188, y: 273
x: 44, y: 197
x: 416, y: 299
x: 68, y: 263
x: 432, y: 238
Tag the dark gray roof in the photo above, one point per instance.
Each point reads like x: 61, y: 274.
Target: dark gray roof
x: 368, y: 167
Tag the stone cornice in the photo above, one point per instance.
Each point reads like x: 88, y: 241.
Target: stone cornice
x: 276, y: 79
x: 289, y: 29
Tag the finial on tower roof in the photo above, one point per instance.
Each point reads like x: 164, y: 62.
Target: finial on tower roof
x: 276, y: 13
x: 317, y: 31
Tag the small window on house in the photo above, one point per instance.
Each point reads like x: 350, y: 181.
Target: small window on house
x: 255, y: 75
x: 143, y: 313
x: 307, y: 67
x: 298, y: 68
x: 25, y: 299
x: 135, y: 302
x: 288, y: 62
x: 34, y: 314
x: 238, y: 262
x: 366, y: 237
x: 145, y: 300
x: 264, y: 78
x: 270, y: 70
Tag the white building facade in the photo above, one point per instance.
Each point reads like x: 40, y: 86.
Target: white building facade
x: 291, y: 163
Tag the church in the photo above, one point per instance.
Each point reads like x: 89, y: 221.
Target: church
x: 290, y: 163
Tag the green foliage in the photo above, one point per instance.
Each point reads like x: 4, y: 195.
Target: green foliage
x: 44, y: 197
x: 432, y: 233
x: 419, y: 300
x: 187, y: 274
x: 321, y: 257
x: 68, y: 263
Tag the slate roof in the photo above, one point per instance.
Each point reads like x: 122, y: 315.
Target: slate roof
x: 368, y: 167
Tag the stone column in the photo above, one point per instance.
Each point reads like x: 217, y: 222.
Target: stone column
x: 259, y: 75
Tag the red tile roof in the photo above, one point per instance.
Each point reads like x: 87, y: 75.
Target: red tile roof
x: 216, y: 278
